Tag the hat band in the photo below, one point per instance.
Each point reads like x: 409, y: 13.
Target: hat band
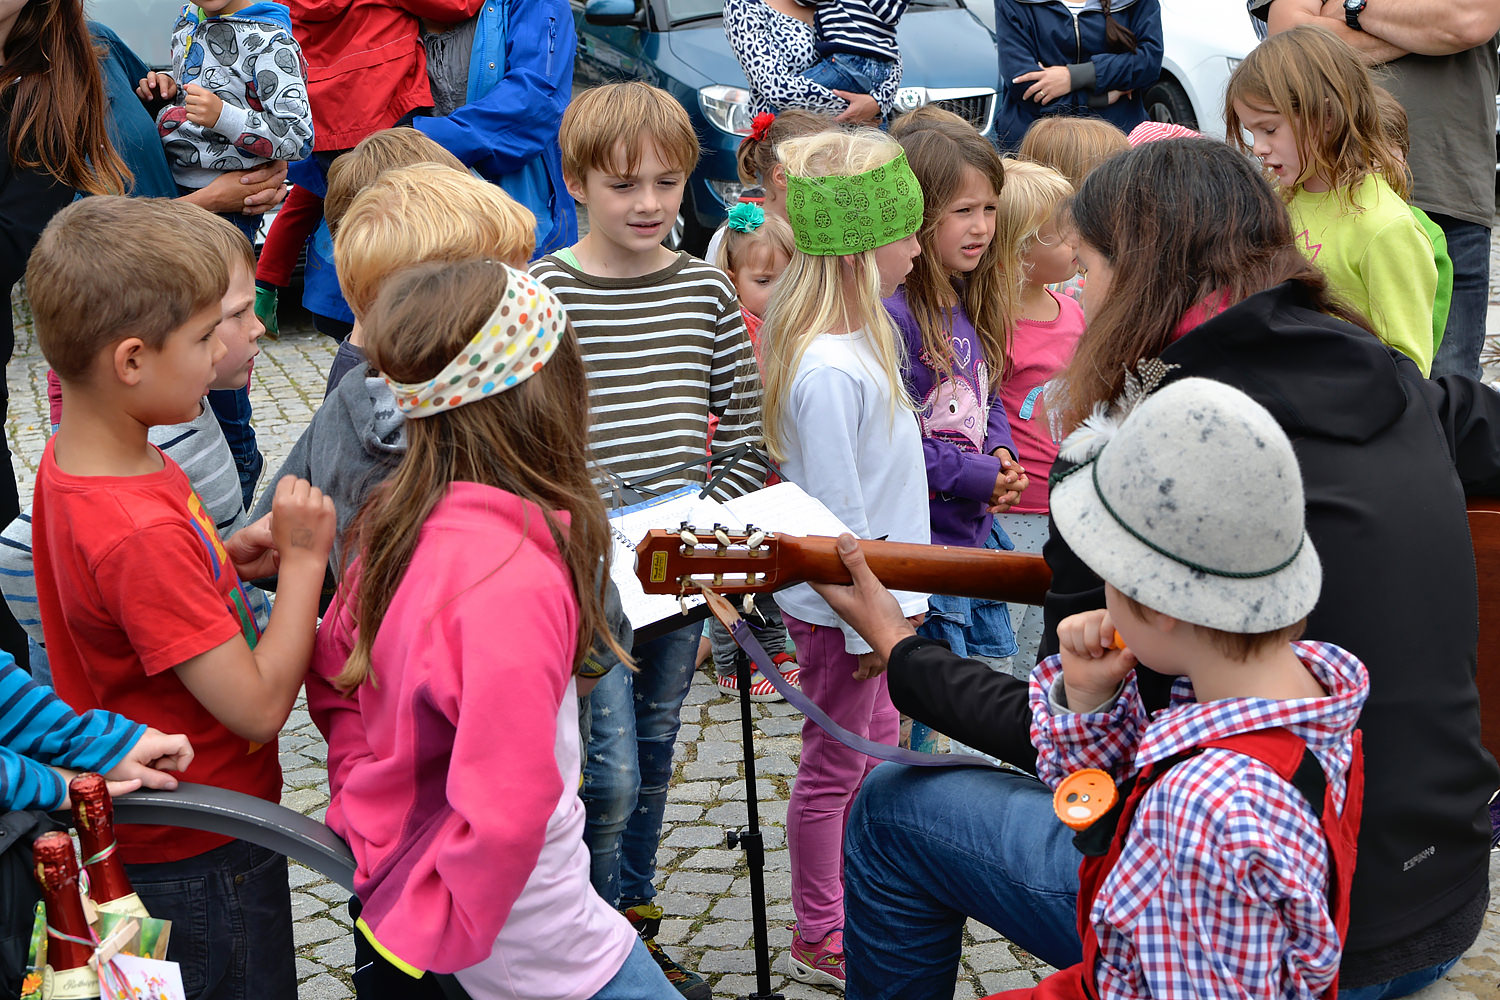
x: 1197, y: 567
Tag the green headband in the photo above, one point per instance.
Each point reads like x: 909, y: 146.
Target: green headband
x: 845, y: 214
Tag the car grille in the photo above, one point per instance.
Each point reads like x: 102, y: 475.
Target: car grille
x: 977, y: 109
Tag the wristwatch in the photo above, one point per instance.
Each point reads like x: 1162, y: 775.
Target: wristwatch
x: 1352, y: 10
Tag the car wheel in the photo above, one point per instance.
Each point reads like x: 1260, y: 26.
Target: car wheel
x: 687, y: 233
x: 1166, y: 101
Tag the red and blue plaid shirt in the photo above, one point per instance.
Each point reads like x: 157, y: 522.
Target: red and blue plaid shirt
x: 1221, y: 888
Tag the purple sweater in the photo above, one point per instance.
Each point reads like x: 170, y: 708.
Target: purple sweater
x: 961, y: 425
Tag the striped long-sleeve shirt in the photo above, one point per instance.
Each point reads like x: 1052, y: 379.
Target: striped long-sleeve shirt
x: 863, y: 27
x: 664, y: 351
x: 38, y: 729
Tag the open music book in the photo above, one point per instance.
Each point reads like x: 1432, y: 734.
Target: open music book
x: 784, y: 508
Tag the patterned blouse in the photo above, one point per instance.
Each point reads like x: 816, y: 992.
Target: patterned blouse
x: 774, y: 48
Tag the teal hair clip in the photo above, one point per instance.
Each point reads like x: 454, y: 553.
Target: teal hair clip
x: 746, y: 217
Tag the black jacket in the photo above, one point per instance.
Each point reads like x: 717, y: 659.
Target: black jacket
x: 1387, y: 458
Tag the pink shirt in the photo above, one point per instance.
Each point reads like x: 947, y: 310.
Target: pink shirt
x: 454, y: 777
x: 1038, y: 351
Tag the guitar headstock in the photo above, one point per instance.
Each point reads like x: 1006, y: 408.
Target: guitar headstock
x: 731, y: 562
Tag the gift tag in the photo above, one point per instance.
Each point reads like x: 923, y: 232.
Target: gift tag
x: 146, y: 977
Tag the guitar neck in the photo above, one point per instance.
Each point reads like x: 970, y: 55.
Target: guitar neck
x: 932, y: 569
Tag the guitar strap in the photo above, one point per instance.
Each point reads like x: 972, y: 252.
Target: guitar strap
x: 794, y: 696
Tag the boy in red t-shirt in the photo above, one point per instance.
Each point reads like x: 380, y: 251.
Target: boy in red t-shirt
x: 141, y: 602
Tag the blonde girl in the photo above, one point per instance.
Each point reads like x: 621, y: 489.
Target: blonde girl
x: 756, y: 248
x: 838, y: 422
x: 1303, y: 103
x: 444, y: 676
x: 954, y: 314
x: 1048, y: 326
x: 1072, y: 146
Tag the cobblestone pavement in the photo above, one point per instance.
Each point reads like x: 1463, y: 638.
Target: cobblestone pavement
x: 704, y: 885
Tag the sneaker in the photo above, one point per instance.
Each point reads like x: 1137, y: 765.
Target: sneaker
x: 820, y: 963
x: 647, y: 921
x: 761, y: 689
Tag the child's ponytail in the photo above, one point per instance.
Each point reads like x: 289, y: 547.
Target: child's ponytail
x: 529, y: 440
x: 756, y: 156
x: 1119, y: 37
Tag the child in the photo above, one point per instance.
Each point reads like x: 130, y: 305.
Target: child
x: 757, y: 247
x: 1048, y: 326
x: 236, y: 96
x: 1342, y: 179
x: 353, y: 172
x: 140, y: 601
x: 838, y: 422
x: 424, y: 212
x: 1073, y: 147
x: 481, y: 740
x: 857, y: 40
x: 1227, y: 872
x: 1393, y: 120
x: 954, y: 314
x: 665, y: 346
x: 198, y: 445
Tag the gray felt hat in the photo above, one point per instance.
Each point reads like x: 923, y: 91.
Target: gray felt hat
x: 1193, y: 506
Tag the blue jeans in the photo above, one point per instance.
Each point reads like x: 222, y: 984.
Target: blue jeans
x: 232, y: 409
x: 924, y: 851
x: 1401, y: 986
x: 633, y: 723
x: 231, y: 913
x: 640, y: 978
x: 848, y: 72
x: 1463, y: 337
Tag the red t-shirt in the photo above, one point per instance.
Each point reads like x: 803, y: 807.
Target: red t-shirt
x: 1038, y: 351
x: 132, y: 580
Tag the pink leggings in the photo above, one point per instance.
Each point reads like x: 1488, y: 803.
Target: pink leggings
x: 830, y: 773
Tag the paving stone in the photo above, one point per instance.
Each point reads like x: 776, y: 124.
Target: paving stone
x: 314, y: 931
x: 981, y: 932
x: 697, y: 791
x: 331, y: 891
x: 994, y: 982
x: 304, y: 800
x: 299, y: 875
x: 724, y: 711
x: 681, y: 904
x: 802, y: 991
x: 338, y: 953
x: 699, y: 882
x: 722, y: 934
x: 695, y: 836
x: 994, y: 956
x: 720, y: 859
x: 726, y: 961
x: 323, y: 987
x: 689, y: 733
x: 711, y: 770
x: 304, y: 905
x: 307, y: 968
x: 778, y: 884
x: 964, y: 991
x: 305, y: 777
x: 785, y: 726
x: 680, y: 813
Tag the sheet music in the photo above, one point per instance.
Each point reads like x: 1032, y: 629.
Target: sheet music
x: 784, y: 508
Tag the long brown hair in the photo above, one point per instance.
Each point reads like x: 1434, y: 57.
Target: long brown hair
x: 531, y: 441
x: 1116, y: 35
x: 54, y: 93
x: 938, y: 149
x: 1179, y: 222
x: 1310, y: 77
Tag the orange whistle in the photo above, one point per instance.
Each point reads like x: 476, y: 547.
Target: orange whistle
x: 1083, y: 797
x: 1118, y: 643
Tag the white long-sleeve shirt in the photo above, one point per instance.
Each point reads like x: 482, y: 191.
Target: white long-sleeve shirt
x: 847, y: 447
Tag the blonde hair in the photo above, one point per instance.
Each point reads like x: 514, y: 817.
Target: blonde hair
x: 1394, y: 120
x: 1310, y: 77
x: 376, y: 153
x: 225, y: 238
x: 773, y: 234
x: 1032, y: 196
x: 111, y: 267
x: 940, y: 146
x: 425, y: 212
x: 809, y: 299
x: 1072, y: 146
x: 606, y: 129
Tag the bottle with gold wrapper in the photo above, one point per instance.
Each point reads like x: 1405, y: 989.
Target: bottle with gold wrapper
x: 94, y: 819
x: 69, y: 944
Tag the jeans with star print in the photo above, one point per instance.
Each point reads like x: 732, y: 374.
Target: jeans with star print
x: 632, y: 726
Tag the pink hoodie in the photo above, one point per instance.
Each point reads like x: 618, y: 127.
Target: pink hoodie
x: 454, y: 769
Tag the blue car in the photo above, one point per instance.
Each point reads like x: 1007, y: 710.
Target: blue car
x: 679, y: 45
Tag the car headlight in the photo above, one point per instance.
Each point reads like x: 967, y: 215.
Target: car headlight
x: 1233, y: 62
x: 728, y: 192
x: 726, y: 108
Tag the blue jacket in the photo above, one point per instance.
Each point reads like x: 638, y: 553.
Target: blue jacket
x: 520, y: 82
x: 1046, y: 32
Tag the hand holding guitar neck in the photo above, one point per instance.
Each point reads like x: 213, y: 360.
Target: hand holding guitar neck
x: 867, y: 606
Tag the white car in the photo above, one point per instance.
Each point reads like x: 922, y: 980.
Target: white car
x: 1203, y: 40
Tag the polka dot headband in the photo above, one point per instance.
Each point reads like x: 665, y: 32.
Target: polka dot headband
x: 510, y: 347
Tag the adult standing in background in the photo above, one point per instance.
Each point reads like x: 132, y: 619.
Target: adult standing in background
x: 1440, y: 61
x: 775, y: 44
x: 1075, y: 57
x: 56, y: 143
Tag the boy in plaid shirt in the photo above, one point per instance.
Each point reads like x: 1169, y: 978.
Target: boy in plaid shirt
x: 1220, y: 864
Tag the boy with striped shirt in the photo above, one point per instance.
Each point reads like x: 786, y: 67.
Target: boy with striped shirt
x: 666, y: 348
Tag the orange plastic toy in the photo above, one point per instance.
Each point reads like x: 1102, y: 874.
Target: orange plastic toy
x: 1083, y: 797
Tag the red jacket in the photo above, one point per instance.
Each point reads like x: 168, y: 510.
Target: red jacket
x: 366, y: 66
